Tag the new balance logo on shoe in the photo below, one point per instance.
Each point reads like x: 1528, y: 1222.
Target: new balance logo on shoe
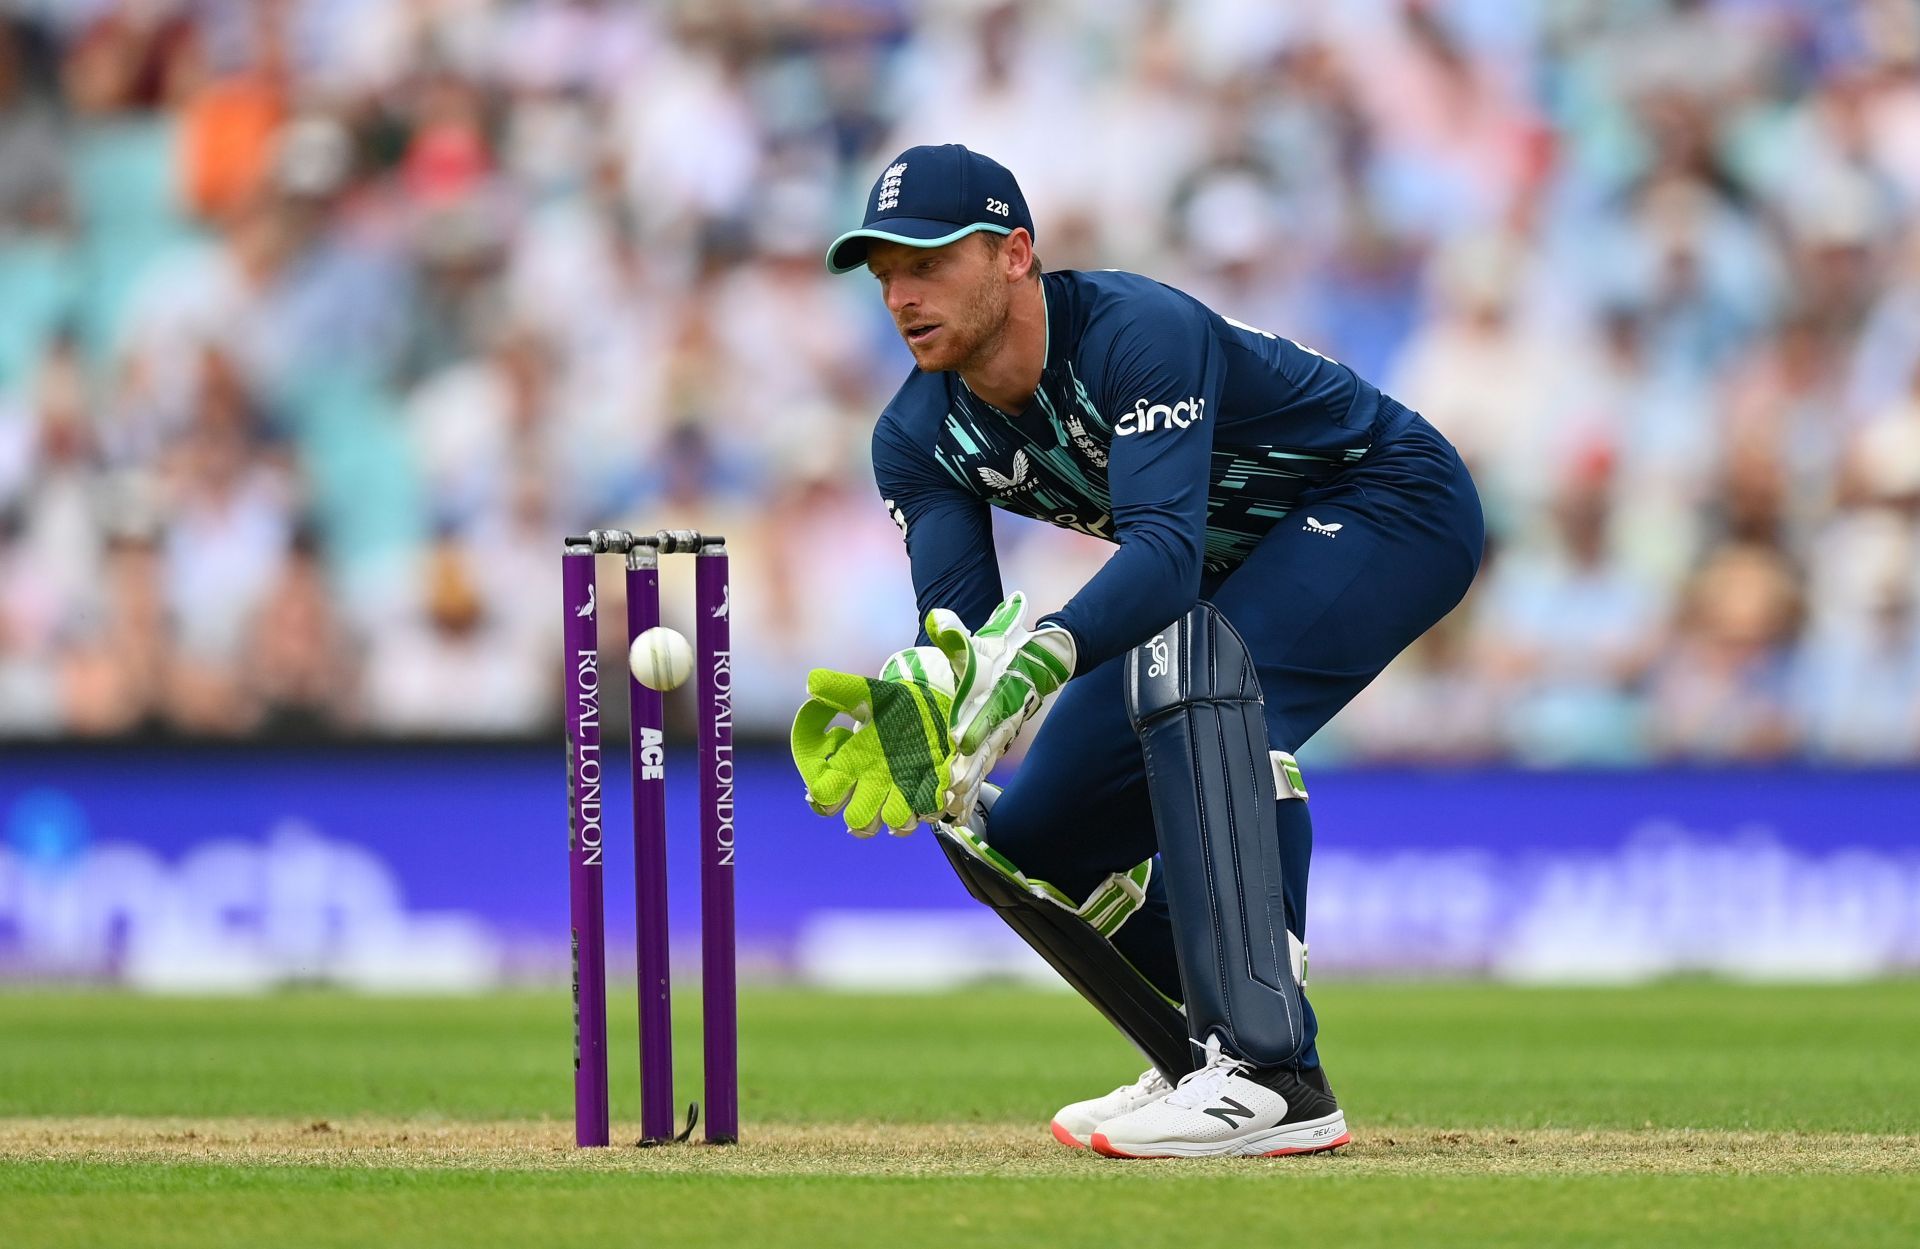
x: 1226, y: 1111
x: 1325, y: 531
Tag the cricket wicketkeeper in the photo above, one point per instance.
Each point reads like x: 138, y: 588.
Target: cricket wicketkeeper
x: 1282, y: 530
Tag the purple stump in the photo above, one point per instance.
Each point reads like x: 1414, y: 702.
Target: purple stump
x: 648, y: 747
x: 585, y: 777
x: 715, y: 663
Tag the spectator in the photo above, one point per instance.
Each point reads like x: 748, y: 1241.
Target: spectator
x: 1860, y: 683
x: 229, y: 505
x: 304, y: 306
x: 232, y: 121
x: 455, y: 664
x: 32, y: 172
x: 298, y: 666
x: 118, y: 674
x: 1578, y: 627
x: 1723, y: 686
x: 137, y: 56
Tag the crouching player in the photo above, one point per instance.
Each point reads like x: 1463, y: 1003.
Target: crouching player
x: 1283, y: 530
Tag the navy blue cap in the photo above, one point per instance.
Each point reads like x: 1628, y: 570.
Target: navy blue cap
x: 930, y: 196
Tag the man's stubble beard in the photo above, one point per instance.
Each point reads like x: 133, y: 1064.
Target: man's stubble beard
x: 986, y: 317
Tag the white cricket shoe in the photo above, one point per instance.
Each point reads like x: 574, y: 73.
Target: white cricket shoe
x: 1230, y: 1108
x: 1074, y: 1124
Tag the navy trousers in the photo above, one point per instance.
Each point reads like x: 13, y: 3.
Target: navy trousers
x: 1363, y: 566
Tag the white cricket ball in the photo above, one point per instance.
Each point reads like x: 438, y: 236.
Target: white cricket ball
x: 660, y: 658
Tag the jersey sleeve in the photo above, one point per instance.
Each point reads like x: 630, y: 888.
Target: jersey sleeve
x: 948, y: 532
x: 1160, y: 375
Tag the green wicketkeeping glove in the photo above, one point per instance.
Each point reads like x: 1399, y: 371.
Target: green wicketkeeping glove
x: 924, y: 665
x: 976, y: 656
x: 892, y: 768
x: 1032, y: 673
x: 1003, y: 674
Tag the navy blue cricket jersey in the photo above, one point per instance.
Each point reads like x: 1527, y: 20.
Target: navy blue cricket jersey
x: 1178, y: 434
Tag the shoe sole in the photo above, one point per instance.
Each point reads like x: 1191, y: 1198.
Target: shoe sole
x: 1313, y: 1137
x: 1067, y: 1138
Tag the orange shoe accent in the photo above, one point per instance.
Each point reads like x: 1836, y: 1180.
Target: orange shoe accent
x: 1344, y: 1139
x: 1064, y: 1137
x: 1101, y: 1145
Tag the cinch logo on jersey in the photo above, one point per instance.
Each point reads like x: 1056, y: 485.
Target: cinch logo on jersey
x: 1144, y: 419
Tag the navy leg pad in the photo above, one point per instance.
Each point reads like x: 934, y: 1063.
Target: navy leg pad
x: 1195, y: 701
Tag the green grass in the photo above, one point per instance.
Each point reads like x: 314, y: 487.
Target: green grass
x: 1484, y: 1116
x: 1820, y: 1059
x: 218, y: 1206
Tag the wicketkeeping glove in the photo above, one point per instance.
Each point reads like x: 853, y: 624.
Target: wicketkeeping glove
x: 1003, y: 674
x: 892, y: 768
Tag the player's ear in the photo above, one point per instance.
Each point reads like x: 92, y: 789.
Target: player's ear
x: 1016, y: 256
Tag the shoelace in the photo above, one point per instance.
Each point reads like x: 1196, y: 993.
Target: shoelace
x: 1150, y: 1084
x: 1201, y: 1086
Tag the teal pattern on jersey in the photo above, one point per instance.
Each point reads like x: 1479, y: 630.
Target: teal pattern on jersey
x: 1050, y: 464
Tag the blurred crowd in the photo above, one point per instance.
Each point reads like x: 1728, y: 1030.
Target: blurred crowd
x: 322, y: 320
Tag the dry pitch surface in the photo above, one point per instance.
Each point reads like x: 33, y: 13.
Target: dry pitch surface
x: 874, y: 1149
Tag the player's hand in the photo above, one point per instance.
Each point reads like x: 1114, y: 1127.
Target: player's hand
x: 1033, y: 673
x: 975, y: 657
x: 923, y: 665
x: 892, y: 768
x: 1003, y: 675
